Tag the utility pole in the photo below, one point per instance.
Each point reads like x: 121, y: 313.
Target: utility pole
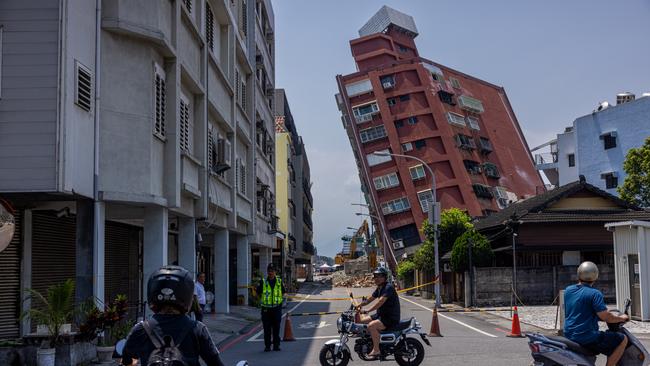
x: 470, y: 244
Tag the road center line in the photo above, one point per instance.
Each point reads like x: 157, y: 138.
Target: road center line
x: 452, y: 319
x: 258, y: 334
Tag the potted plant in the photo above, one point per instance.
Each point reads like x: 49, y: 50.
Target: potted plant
x: 56, y: 310
x: 102, y: 325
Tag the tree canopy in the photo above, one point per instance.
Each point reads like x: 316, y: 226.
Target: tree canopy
x: 482, y: 254
x: 636, y: 187
x: 453, y: 223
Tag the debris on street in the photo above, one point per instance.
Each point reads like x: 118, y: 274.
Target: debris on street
x: 340, y: 279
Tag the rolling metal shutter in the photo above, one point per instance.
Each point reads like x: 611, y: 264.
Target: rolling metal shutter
x: 122, y: 264
x: 10, y: 284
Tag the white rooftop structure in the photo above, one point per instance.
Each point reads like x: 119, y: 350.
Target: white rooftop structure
x: 384, y: 18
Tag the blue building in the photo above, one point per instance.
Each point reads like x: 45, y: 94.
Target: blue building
x: 597, y: 143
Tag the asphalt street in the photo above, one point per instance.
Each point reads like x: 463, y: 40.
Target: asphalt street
x: 468, y: 339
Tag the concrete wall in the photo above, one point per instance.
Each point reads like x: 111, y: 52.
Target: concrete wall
x: 566, y: 144
x: 535, y: 286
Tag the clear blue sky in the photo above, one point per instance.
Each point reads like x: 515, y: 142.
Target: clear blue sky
x: 557, y: 59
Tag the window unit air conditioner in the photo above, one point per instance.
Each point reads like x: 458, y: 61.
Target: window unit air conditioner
x: 224, y: 157
x: 398, y: 244
x: 387, y: 84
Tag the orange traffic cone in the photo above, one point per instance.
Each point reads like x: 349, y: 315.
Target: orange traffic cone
x: 288, y: 331
x: 435, y: 326
x: 516, y: 328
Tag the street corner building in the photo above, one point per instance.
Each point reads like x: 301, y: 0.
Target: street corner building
x: 134, y: 135
x: 464, y: 128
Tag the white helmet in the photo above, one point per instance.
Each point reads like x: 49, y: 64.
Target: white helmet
x: 588, y: 272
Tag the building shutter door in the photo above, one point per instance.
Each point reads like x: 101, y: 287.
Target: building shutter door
x: 53, y: 250
x: 10, y: 284
x: 123, y: 264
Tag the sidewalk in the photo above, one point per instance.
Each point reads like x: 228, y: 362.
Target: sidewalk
x: 238, y: 321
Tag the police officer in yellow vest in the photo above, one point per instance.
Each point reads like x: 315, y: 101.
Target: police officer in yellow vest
x: 271, y: 292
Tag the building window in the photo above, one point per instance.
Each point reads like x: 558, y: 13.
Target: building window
x: 188, y: 5
x: 485, y: 145
x: 456, y: 119
x: 455, y: 83
x: 402, y: 49
x: 377, y: 159
x: 472, y: 166
x: 373, y: 133
x: 609, y: 139
x: 611, y: 180
x: 482, y: 191
x: 390, y: 101
x: 399, y: 123
x: 572, y: 160
x: 426, y: 200
x: 406, y: 147
x: 417, y: 172
x: 412, y: 120
x: 473, y: 123
x: 185, y: 125
x: 446, y: 97
x: 491, y: 170
x: 241, y: 176
x: 364, y: 113
x: 465, y: 142
x: 395, y: 206
x: 386, y: 181
x: 387, y: 82
x: 83, y: 90
x: 404, y: 98
x: 209, y: 26
x: 159, y: 102
x: 419, y: 144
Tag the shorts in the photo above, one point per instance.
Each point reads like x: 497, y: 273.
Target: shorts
x: 387, y: 322
x: 606, y: 343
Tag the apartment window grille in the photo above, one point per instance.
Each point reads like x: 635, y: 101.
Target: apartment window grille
x: 395, y: 206
x: 412, y: 120
x: 211, y: 149
x: 244, y: 97
x: 237, y: 85
x: 188, y: 5
x: 209, y: 26
x: 472, y: 166
x: 491, y: 170
x: 572, y: 160
x: 419, y: 144
x: 455, y: 83
x: 373, y: 133
x: 364, y: 113
x: 473, y: 123
x: 241, y: 176
x: 609, y: 140
x: 485, y: 145
x: 83, y: 92
x: 406, y: 147
x: 446, y: 97
x: 417, y: 172
x: 244, y: 18
x: 185, y: 128
x: 377, y: 159
x: 482, y: 191
x: 611, y: 180
x: 426, y: 199
x: 390, y: 101
x: 386, y: 181
x: 404, y: 98
x: 456, y: 119
x: 465, y: 142
x: 159, y: 102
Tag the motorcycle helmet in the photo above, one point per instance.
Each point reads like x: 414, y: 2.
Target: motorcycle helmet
x: 170, y: 285
x: 588, y: 272
x: 380, y: 271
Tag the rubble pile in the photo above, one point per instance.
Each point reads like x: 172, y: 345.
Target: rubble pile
x: 340, y: 279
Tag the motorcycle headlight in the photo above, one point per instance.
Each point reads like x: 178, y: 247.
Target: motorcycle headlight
x: 339, y: 324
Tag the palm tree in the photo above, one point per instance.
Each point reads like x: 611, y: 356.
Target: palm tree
x: 57, y: 309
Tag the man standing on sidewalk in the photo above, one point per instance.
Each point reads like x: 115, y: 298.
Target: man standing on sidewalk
x: 199, y: 293
x: 271, y: 291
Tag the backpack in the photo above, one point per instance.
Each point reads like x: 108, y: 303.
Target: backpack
x: 166, y: 352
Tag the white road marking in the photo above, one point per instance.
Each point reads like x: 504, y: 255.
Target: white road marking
x: 258, y: 334
x: 452, y: 319
x: 309, y: 325
x: 301, y: 338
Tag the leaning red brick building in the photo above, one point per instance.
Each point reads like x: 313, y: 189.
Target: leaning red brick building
x: 464, y: 128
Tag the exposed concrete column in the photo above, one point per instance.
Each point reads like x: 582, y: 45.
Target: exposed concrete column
x: 26, y: 271
x: 243, y: 266
x: 265, y: 259
x: 99, y: 249
x: 84, y: 248
x: 187, y: 245
x: 155, y: 243
x: 221, y: 280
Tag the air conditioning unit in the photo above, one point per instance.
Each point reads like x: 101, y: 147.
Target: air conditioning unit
x: 387, y: 84
x: 364, y: 118
x: 224, y: 153
x: 407, y: 147
x: 398, y: 244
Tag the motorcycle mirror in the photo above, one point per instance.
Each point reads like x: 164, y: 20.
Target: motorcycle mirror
x: 242, y: 363
x: 119, y: 346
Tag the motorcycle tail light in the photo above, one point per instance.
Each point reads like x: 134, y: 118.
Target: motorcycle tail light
x: 534, y: 347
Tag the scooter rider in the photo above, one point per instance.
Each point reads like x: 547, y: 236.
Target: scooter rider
x: 388, y: 310
x: 584, y: 306
x: 169, y: 292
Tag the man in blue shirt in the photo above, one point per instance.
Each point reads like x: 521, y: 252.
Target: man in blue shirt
x: 583, y: 307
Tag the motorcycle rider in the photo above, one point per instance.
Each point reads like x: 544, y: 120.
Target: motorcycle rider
x: 170, y: 291
x: 388, y: 310
x: 584, y: 305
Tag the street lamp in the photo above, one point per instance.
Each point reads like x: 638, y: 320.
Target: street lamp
x: 434, y: 217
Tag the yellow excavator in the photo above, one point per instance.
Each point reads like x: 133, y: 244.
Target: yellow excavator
x: 362, y: 234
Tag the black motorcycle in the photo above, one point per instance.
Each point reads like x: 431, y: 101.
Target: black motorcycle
x: 408, y: 351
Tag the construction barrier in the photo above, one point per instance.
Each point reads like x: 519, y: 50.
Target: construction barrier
x: 305, y: 298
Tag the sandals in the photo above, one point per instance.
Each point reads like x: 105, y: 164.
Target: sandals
x: 374, y: 357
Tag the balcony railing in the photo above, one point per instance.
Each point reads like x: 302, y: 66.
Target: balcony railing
x: 306, y: 218
x: 273, y: 225
x: 545, y: 158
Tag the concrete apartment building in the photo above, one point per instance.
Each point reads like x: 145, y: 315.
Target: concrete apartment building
x: 596, y: 144
x: 464, y: 128
x: 133, y: 135
x: 293, y: 187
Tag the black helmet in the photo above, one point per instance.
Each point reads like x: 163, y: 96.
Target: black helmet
x: 171, y: 285
x: 381, y: 271
x: 271, y: 267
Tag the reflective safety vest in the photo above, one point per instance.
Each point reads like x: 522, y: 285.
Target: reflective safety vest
x: 271, y: 297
